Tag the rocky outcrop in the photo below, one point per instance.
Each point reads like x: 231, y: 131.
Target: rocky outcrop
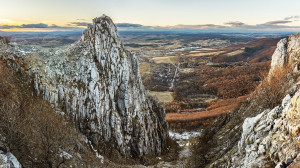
x: 4, y: 40
x: 97, y: 82
x: 280, y: 56
x: 8, y: 160
x: 272, y: 138
x: 287, y: 53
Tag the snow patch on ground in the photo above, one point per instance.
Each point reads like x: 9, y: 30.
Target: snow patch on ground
x: 183, y: 136
x: 65, y: 155
x: 97, y: 154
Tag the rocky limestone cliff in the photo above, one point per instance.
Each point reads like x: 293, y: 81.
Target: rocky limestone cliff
x: 272, y: 138
x: 8, y: 160
x: 4, y: 40
x: 97, y: 82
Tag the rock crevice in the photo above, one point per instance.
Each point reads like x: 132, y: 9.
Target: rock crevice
x: 272, y: 138
x: 97, y: 82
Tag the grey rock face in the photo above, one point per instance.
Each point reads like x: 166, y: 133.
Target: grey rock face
x: 280, y: 56
x: 272, y: 137
x: 8, y: 160
x: 4, y: 40
x: 97, y: 82
x: 287, y: 53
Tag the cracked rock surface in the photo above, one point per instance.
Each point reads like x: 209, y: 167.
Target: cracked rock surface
x: 97, y: 82
x: 272, y: 137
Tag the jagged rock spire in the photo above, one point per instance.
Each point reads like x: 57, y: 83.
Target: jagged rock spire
x: 97, y: 82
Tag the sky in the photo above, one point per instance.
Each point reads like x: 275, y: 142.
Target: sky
x: 74, y: 15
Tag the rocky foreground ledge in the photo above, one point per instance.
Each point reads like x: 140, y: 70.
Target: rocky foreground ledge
x: 272, y: 138
x: 96, y: 82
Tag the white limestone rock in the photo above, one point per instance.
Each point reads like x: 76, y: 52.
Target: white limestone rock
x: 280, y: 56
x: 97, y: 82
x: 8, y: 160
x: 271, y: 137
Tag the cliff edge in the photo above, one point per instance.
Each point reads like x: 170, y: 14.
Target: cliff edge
x: 97, y: 83
x: 272, y: 137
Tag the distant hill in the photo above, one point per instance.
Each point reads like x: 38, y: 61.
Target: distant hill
x: 254, y: 52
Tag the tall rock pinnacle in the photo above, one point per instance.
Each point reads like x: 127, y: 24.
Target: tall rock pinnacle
x: 97, y: 82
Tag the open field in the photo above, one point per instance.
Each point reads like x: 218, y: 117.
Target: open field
x: 168, y: 59
x: 164, y: 97
x: 236, y: 52
x: 194, y: 120
x: 144, y: 68
x: 207, y: 82
x: 216, y: 108
x: 199, y: 54
x: 197, y: 115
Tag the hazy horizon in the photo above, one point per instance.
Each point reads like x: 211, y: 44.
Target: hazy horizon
x: 233, y: 15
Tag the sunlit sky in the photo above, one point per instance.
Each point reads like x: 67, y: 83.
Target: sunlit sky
x: 39, y: 15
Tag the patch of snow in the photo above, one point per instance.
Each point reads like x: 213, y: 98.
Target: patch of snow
x: 65, y: 154
x: 180, y: 137
x: 97, y: 154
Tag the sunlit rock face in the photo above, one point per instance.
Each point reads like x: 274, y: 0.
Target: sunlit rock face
x: 97, y: 82
x: 8, y: 160
x: 272, y: 138
x: 287, y: 53
x: 280, y: 56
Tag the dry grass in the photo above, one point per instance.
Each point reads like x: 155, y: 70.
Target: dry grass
x: 197, y: 116
x: 144, y: 68
x: 187, y: 70
x: 163, y: 97
x: 35, y: 133
x: 217, y: 108
x: 235, y: 52
x: 200, y: 54
x: 272, y: 89
x: 169, y: 59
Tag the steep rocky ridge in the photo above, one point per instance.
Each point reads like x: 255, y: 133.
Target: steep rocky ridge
x: 97, y: 82
x: 8, y: 160
x: 272, y: 137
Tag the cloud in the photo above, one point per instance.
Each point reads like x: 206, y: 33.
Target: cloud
x: 276, y: 22
x: 5, y: 20
x: 39, y: 25
x: 78, y: 24
x: 277, y: 25
x: 81, y: 19
x: 232, y: 25
x: 128, y: 25
x: 54, y: 26
x: 235, y: 24
x: 204, y: 26
x: 8, y: 27
x: 292, y: 18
